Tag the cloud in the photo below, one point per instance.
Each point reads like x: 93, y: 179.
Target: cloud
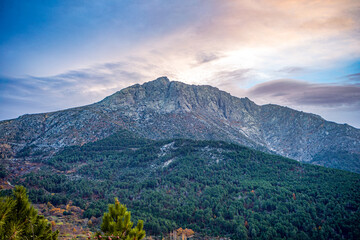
x: 292, y: 70
x: 300, y: 93
x: 294, y: 36
x: 226, y: 35
x: 207, y: 57
x: 353, y: 77
x: 74, y: 88
x: 232, y: 79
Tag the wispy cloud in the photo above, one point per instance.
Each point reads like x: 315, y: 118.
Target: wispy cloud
x: 303, y: 93
x: 353, y: 77
x: 70, y: 89
x: 223, y: 35
x: 207, y: 57
x: 292, y: 70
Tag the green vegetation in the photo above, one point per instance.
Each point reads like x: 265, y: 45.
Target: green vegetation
x: 337, y: 160
x: 214, y: 188
x: 117, y: 223
x: 19, y: 220
x: 3, y: 171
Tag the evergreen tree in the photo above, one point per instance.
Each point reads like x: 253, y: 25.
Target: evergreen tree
x: 19, y: 220
x: 117, y: 223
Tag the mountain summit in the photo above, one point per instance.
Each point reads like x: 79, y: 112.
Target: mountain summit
x: 163, y: 109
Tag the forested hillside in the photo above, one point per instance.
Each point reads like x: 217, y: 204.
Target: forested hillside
x: 212, y: 187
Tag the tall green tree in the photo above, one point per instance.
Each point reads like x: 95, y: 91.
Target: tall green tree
x: 20, y: 220
x: 117, y: 223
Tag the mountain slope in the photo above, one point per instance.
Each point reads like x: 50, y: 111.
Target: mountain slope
x: 212, y: 187
x: 162, y: 109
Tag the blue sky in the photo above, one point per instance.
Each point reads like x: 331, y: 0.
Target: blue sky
x: 302, y: 54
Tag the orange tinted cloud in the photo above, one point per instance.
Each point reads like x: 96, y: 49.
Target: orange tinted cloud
x: 260, y: 35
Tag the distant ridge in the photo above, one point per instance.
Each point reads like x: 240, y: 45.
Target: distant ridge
x: 164, y: 109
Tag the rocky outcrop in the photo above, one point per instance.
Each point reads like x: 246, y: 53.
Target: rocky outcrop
x: 163, y: 109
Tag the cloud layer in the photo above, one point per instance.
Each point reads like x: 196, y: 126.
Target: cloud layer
x: 303, y: 93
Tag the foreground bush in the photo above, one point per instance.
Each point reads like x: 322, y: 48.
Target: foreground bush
x: 19, y: 220
x: 116, y: 224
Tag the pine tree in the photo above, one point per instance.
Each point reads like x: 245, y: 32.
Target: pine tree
x: 20, y: 220
x: 117, y: 223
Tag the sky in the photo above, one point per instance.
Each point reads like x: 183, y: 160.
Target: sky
x: 304, y: 54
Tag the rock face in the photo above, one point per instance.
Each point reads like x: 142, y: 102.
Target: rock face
x: 162, y: 109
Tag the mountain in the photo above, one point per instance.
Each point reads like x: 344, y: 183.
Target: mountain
x: 163, y: 109
x: 215, y: 188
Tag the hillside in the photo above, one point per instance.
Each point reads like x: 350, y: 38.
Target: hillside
x: 212, y: 187
x: 162, y: 109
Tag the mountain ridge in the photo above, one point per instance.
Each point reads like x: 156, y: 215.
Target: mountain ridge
x: 164, y: 109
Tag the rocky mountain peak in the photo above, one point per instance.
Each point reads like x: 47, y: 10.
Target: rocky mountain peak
x: 159, y: 82
x: 165, y: 95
